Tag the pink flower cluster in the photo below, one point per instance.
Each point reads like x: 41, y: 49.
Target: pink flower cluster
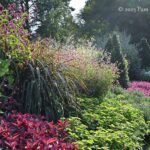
x: 141, y: 86
x: 29, y: 132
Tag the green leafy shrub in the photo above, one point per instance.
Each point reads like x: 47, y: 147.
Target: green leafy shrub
x: 109, y: 125
x: 4, y: 67
x: 137, y: 99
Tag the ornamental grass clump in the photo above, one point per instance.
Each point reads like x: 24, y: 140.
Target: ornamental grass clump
x: 99, y: 73
x: 90, y: 65
x: 48, y: 86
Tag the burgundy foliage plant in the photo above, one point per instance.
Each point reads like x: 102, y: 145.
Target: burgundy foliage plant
x: 29, y: 132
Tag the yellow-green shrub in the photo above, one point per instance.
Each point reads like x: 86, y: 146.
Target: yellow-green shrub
x: 111, y: 125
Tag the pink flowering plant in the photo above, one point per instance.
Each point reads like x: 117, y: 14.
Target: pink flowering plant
x: 141, y: 86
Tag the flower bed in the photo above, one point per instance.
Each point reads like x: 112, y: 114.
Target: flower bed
x: 29, y: 132
x: 142, y: 86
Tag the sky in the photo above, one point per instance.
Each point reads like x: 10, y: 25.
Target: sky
x: 78, y: 5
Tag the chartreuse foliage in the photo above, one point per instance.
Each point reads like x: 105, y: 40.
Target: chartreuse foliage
x: 111, y: 125
x: 136, y: 98
x: 5, y: 73
x: 4, y: 67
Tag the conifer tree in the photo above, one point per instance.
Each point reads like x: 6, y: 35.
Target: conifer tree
x: 113, y: 45
x: 145, y: 53
x: 109, y: 45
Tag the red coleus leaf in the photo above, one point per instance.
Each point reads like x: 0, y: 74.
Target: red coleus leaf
x: 24, y: 131
x: 35, y: 144
x: 30, y: 145
x: 16, y: 136
x: 50, y: 141
x: 11, y: 144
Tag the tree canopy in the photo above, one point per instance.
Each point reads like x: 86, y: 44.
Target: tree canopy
x: 131, y: 16
x: 50, y: 18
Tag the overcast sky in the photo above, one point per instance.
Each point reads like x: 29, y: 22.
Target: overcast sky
x: 78, y: 5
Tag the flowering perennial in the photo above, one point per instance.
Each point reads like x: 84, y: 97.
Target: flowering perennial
x: 141, y: 86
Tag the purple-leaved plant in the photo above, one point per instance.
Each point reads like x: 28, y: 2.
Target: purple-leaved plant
x: 30, y: 132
